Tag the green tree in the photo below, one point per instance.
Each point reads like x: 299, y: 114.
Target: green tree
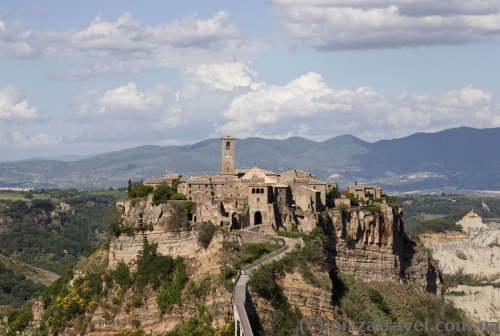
x: 112, y: 222
x: 333, y: 193
x: 129, y: 188
x: 162, y: 193
x: 141, y: 190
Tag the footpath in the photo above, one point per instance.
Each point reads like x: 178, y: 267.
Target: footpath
x: 241, y: 297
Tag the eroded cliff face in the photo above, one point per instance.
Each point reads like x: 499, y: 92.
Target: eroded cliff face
x: 471, y: 257
x: 116, y: 311
x: 481, y: 303
x: 372, y: 245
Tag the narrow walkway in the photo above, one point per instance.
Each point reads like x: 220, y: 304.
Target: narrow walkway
x: 241, y: 305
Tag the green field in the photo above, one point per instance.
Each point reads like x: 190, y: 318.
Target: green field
x: 55, y: 195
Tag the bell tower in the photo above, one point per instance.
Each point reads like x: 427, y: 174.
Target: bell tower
x: 227, y: 155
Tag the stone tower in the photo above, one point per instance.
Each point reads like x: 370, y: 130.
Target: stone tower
x: 227, y: 155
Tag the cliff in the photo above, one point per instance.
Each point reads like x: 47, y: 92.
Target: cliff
x: 367, y: 243
x: 470, y: 264
x: 372, y: 245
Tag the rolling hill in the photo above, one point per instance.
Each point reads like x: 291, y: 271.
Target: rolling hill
x: 463, y: 158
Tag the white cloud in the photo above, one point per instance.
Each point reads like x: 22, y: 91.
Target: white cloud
x: 222, y: 99
x: 331, y: 25
x: 126, y: 41
x: 18, y: 140
x: 224, y: 76
x: 362, y: 112
x: 101, y: 70
x: 13, y: 105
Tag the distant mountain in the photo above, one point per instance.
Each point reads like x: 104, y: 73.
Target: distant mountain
x: 463, y: 158
x: 59, y: 158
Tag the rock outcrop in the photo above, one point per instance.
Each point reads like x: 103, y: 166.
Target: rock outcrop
x: 372, y: 245
x: 481, y: 303
x: 473, y: 255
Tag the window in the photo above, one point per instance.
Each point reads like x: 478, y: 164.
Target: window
x: 281, y: 199
x: 227, y: 170
x: 189, y: 186
x: 228, y: 145
x: 314, y: 187
x: 258, y: 199
x: 189, y: 191
x: 253, y: 190
x: 261, y: 190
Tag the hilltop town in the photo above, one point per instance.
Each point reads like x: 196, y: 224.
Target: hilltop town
x: 244, y: 250
x: 240, y: 199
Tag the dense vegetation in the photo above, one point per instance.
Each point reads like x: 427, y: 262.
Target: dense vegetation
x: 442, y: 224
x: 264, y: 281
x: 354, y: 300
x: 360, y: 301
x: 39, y: 235
x: 206, y: 233
x: 15, y: 288
x: 68, y: 304
x: 421, y: 208
x: 161, y: 193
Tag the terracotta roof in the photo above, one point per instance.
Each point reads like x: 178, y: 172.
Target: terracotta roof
x: 154, y: 179
x: 316, y: 182
x: 306, y: 187
x: 172, y: 176
x: 198, y: 180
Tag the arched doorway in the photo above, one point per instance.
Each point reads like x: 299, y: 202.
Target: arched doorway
x: 257, y: 219
x: 235, y: 225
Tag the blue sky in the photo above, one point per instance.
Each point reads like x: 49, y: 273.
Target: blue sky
x: 95, y: 76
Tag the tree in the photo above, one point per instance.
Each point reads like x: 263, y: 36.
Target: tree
x: 141, y: 190
x: 112, y: 222
x: 129, y: 189
x: 333, y: 193
x: 162, y: 193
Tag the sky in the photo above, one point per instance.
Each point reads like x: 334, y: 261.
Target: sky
x: 79, y: 78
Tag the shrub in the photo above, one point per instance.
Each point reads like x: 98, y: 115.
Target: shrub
x: 152, y: 268
x: 141, y: 190
x: 333, y: 193
x: 172, y: 288
x: 206, y: 233
x: 162, y: 193
x: 112, y: 222
x: 135, y: 323
x: 122, y: 275
x: 253, y: 252
x: 179, y: 219
x: 349, y: 241
x: 374, y: 208
x: 178, y: 196
x: 354, y: 200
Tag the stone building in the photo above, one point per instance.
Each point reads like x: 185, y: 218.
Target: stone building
x: 245, y: 198
x: 241, y: 199
x: 168, y: 178
x: 363, y: 192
